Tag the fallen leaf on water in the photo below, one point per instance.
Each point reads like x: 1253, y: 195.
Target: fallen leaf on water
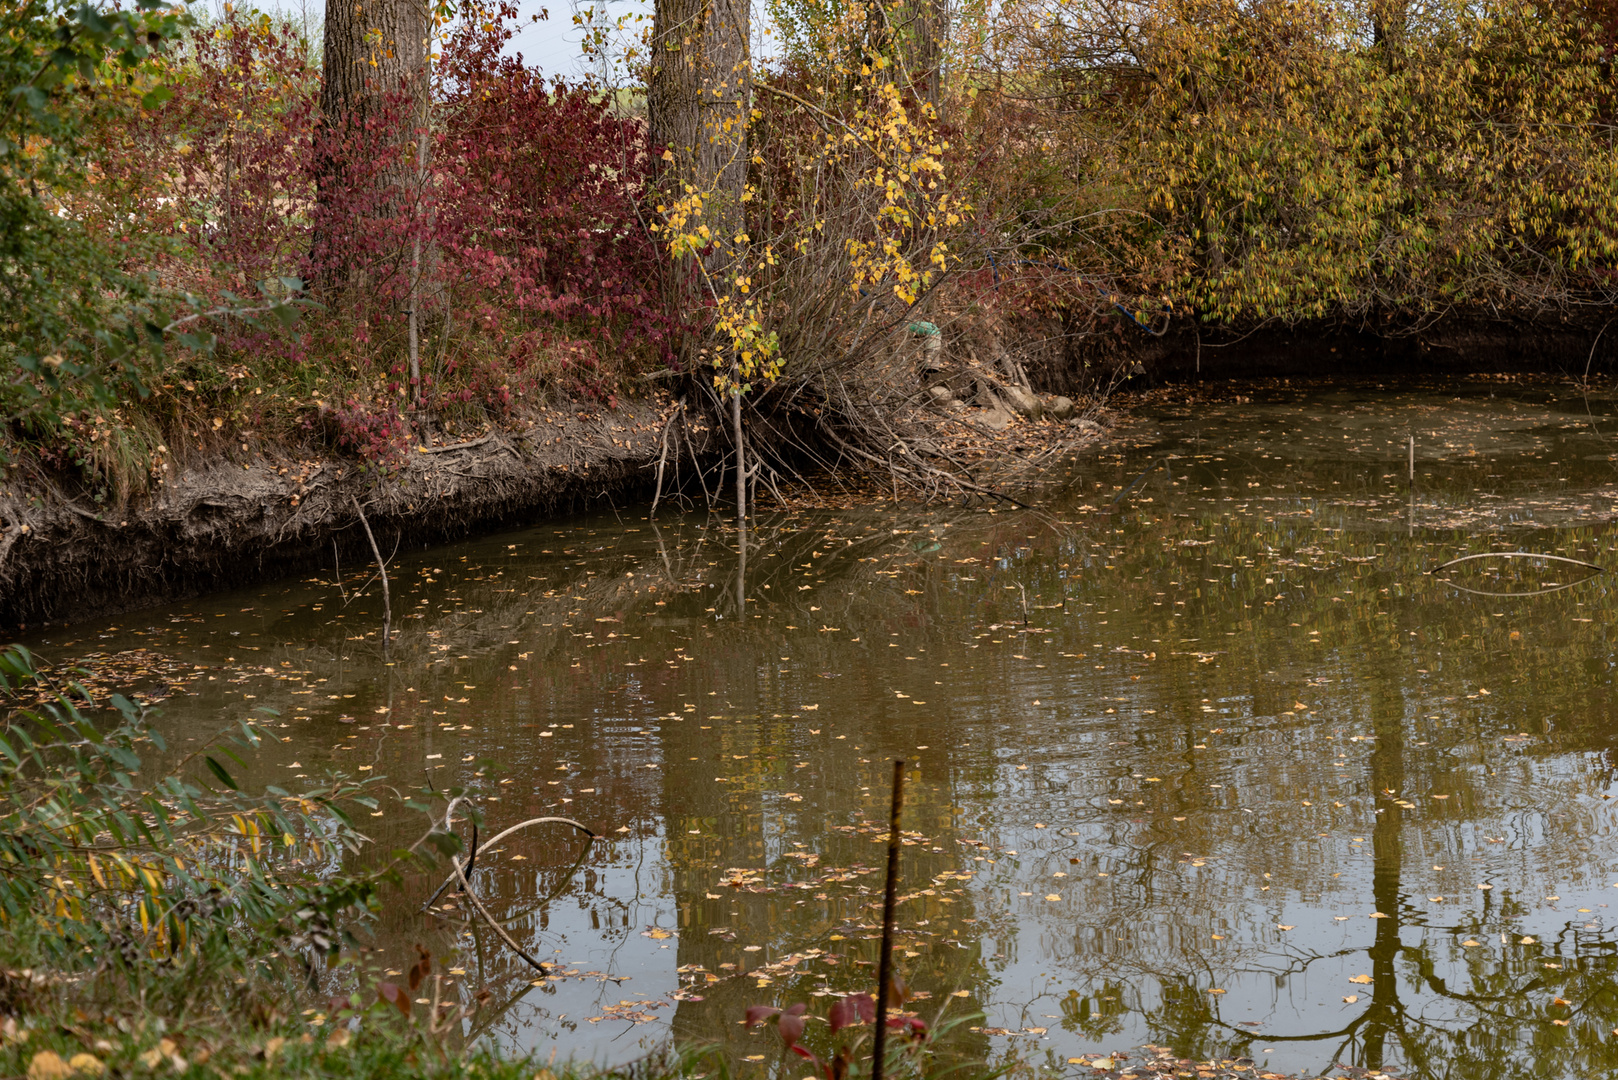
x: 1379, y: 915
x: 1053, y: 897
x: 1526, y: 941
x: 1363, y: 980
x: 1470, y: 944
x: 1352, y: 998
x: 1215, y: 991
x: 1282, y: 926
x: 1560, y: 1023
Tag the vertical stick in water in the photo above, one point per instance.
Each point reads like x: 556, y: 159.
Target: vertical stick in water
x: 884, y: 969
x: 381, y: 568
x: 741, y: 453
x: 1412, y: 459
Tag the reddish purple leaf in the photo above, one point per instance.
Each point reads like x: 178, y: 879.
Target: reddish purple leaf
x: 867, y: 1006
x: 394, y: 995
x: 758, y: 1013
x: 791, y: 1027
x: 420, y: 969
x: 851, y: 1010
x: 801, y: 1052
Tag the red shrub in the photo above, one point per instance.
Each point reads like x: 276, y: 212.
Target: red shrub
x: 536, y: 267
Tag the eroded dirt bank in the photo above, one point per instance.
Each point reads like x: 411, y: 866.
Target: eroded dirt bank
x: 228, y: 523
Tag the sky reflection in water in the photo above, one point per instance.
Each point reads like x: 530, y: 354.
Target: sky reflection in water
x: 1202, y: 757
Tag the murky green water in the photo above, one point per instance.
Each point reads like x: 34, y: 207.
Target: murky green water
x: 1201, y: 757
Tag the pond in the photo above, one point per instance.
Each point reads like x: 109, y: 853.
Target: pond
x: 1199, y: 756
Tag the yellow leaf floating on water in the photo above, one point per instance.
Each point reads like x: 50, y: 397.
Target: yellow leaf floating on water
x: 1351, y: 999
x: 1282, y: 926
x: 1362, y: 980
x: 1052, y: 897
x: 1470, y: 944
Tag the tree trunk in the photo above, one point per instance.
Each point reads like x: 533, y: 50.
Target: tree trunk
x: 371, y: 50
x: 374, y: 72
x: 698, y: 100
x: 925, y: 26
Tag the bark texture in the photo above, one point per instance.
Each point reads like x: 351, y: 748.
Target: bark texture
x: 374, y: 73
x: 698, y: 99
x: 372, y: 48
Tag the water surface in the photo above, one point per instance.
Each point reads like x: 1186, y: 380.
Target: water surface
x: 1201, y: 758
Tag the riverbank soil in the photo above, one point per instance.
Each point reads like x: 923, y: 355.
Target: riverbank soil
x: 227, y: 520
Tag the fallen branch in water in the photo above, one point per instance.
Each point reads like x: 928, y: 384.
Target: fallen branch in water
x: 1517, y: 555
x: 499, y: 837
x: 466, y: 887
x: 477, y: 904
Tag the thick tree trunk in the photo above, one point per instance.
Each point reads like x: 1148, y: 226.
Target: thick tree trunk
x: 372, y: 49
x: 926, y: 25
x: 698, y: 100
x: 374, y: 73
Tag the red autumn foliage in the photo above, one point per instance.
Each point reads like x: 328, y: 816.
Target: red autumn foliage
x: 536, y: 270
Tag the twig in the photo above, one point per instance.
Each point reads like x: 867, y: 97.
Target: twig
x: 477, y: 904
x: 382, y: 568
x: 501, y: 836
x: 466, y: 887
x: 337, y: 569
x: 1518, y: 555
x: 884, y: 971
x: 662, y: 462
x: 457, y: 446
